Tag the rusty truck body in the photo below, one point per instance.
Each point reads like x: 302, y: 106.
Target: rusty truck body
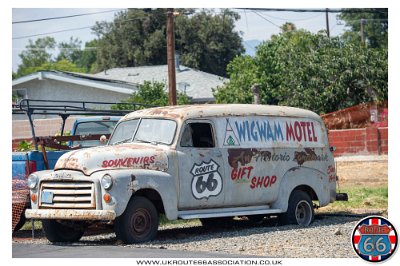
x: 201, y: 161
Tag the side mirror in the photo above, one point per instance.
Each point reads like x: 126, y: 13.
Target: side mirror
x: 103, y: 139
x: 332, y: 148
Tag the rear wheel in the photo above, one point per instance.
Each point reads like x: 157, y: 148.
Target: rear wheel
x: 300, y: 209
x: 60, y: 232
x: 139, y: 222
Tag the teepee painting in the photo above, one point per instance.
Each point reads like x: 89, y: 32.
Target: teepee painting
x: 230, y: 136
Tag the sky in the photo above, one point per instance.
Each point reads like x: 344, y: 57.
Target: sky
x: 258, y: 25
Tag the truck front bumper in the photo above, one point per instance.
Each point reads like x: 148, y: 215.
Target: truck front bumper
x: 67, y: 214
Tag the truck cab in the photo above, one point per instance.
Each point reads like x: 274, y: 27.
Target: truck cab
x: 210, y: 162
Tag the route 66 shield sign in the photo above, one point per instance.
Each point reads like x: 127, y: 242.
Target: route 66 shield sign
x: 206, y: 180
x: 374, y: 239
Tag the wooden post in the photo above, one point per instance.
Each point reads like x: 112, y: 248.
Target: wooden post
x: 171, y: 57
x: 256, y: 94
x: 327, y: 23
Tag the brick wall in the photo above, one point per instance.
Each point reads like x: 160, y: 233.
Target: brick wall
x: 383, y: 140
x: 363, y: 141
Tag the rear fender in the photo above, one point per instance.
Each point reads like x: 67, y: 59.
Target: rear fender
x: 298, y: 176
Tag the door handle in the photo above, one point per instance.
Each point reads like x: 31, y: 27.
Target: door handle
x: 216, y: 153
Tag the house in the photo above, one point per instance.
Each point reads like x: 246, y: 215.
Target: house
x: 113, y: 85
x: 66, y: 86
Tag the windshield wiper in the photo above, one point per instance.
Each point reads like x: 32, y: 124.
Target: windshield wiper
x: 121, y: 141
x: 142, y: 140
x: 149, y: 141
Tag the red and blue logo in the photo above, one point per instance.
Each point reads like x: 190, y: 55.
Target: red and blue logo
x: 374, y: 239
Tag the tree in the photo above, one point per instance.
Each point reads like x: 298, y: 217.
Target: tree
x: 70, y: 51
x: 153, y: 94
x: 36, y: 54
x: 137, y: 37
x: 87, y: 58
x: 62, y: 65
x: 311, y: 71
x: 71, y: 57
x: 375, y: 25
x: 207, y: 41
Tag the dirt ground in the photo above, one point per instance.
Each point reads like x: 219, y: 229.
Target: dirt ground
x: 367, y: 174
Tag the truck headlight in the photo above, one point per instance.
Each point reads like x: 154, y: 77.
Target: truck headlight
x: 32, y: 181
x: 106, y: 181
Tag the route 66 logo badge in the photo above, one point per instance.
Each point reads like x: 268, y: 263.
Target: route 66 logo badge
x: 374, y: 239
x: 206, y: 180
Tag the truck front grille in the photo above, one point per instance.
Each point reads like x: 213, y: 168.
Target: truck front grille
x: 67, y: 195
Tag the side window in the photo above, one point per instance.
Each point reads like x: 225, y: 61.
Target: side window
x: 197, y: 135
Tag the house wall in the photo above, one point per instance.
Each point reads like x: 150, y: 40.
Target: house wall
x: 63, y: 91
x: 363, y: 141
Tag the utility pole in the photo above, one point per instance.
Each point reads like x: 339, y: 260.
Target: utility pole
x: 327, y: 23
x: 362, y: 23
x: 171, y: 57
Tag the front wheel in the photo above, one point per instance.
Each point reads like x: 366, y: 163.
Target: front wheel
x: 59, y: 232
x: 300, y: 210
x: 139, y: 222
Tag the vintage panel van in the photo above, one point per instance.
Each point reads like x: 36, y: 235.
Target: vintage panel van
x: 199, y: 161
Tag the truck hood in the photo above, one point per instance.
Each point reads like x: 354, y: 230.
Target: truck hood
x: 129, y: 155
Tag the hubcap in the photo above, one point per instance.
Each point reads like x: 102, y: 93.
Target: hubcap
x: 141, y: 221
x: 303, y: 213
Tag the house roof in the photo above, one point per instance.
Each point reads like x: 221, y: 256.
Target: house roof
x: 80, y: 79
x: 195, y: 83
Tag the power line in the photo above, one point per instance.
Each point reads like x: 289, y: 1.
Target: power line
x: 46, y: 33
x: 291, y: 19
x: 265, y: 19
x: 56, y: 48
x: 355, y: 10
x: 71, y: 16
x: 40, y: 34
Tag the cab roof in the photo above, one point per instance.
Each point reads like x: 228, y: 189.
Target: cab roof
x: 184, y: 112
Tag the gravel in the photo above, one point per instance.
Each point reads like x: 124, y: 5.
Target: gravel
x: 328, y: 237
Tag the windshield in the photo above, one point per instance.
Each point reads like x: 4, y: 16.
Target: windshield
x: 156, y: 130
x: 148, y: 130
x: 124, y: 131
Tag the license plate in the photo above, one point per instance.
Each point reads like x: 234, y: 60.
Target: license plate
x: 47, y: 197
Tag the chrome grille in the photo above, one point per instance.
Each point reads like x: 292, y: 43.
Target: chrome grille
x: 68, y: 195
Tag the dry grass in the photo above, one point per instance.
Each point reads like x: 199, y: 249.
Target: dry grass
x: 363, y: 174
x: 366, y: 184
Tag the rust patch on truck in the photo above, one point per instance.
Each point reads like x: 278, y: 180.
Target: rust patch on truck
x: 244, y: 156
x: 239, y: 155
x: 308, y: 155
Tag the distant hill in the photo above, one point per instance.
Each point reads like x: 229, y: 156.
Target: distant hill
x: 250, y: 46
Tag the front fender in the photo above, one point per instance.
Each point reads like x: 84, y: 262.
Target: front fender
x: 127, y: 182
x: 298, y: 176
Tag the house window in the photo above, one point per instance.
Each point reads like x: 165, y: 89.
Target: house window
x: 198, y: 135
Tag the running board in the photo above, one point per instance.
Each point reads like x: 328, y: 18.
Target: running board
x: 227, y: 212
